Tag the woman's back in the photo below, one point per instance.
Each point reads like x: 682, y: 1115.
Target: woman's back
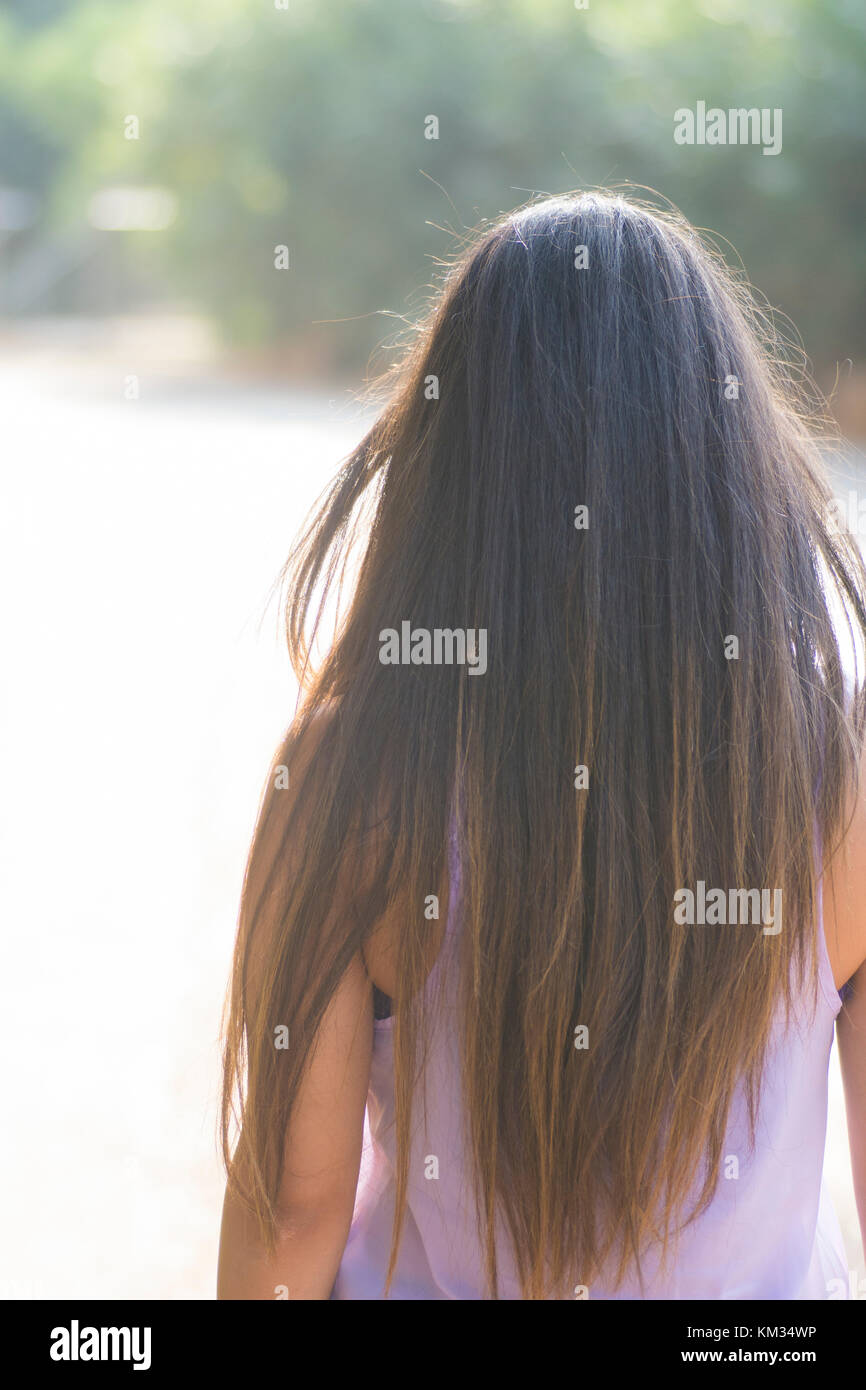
x: 770, y: 1231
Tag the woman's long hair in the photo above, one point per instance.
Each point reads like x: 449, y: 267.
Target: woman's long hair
x: 676, y: 639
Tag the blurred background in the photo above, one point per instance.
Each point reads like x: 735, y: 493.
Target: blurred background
x: 217, y: 217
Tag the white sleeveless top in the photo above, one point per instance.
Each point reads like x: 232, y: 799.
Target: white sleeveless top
x: 771, y: 1233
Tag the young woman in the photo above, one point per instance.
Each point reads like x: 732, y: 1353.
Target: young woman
x: 563, y: 861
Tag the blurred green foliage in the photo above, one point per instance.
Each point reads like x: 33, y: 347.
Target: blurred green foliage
x: 305, y: 126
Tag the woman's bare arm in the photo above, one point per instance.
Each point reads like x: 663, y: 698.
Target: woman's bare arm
x: 323, y: 1153
x: 324, y: 1139
x: 851, y: 1036
x: 845, y: 932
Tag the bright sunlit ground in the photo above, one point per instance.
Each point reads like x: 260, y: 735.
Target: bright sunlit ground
x: 139, y: 540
